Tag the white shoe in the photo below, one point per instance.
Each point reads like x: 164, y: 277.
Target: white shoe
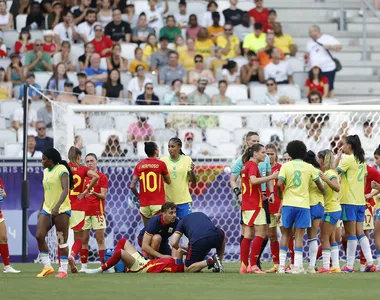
x: 362, y: 268
x: 297, y: 270
x: 360, y: 13
x: 9, y: 269
x: 310, y: 270
x: 110, y: 270
x: 94, y: 271
x: 281, y: 270
x: 82, y: 270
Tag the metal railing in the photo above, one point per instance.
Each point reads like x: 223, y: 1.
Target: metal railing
x: 366, y: 5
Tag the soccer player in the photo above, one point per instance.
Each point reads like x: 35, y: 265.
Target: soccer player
x: 4, y: 249
x: 78, y: 203
x: 182, y: 171
x: 151, y: 172
x: 55, y: 210
x: 351, y: 197
x: 296, y: 176
x: 203, y: 236
x: 332, y: 213
x: 286, y: 157
x: 376, y: 186
x: 95, y: 214
x: 154, y: 238
x: 254, y: 216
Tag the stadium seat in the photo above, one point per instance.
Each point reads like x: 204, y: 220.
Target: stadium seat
x: 7, y: 136
x: 128, y: 50
x: 205, y: 147
x: 5, y: 62
x: 37, y: 35
x: 79, y: 121
x: 3, y: 123
x: 77, y: 49
x: 267, y: 133
x: 157, y: 121
x: 89, y: 136
x: 237, y: 92
x: 291, y: 91
x: 73, y: 77
x: 36, y: 105
x: 20, y: 22
x: 257, y: 121
x: 196, y: 131
x: 50, y: 133
x: 10, y: 38
x: 241, y: 61
x: 8, y: 107
x: 129, y: 148
x: 230, y: 122
x: 227, y: 149
x: 239, y: 135
x: 105, y: 134
x: 20, y: 134
x: 188, y: 88
x: 196, y: 7
x: 122, y: 122
x: 257, y: 92
x: 164, y: 135
x: 141, y: 147
x: 103, y: 63
x: 125, y: 77
x: 244, y: 102
x: 160, y: 91
x: 95, y: 148
x: 12, y: 149
x: 300, y: 79
x: 215, y: 136
x: 212, y: 90
x: 42, y: 78
x: 99, y: 122
x: 99, y: 89
x: 152, y: 77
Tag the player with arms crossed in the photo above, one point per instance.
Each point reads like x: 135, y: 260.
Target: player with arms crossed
x: 55, y: 210
x: 181, y: 169
x: 154, y: 238
x: 95, y: 213
x: 151, y: 172
x: 254, y: 216
x: 296, y: 175
x: 78, y: 204
x: 351, y: 197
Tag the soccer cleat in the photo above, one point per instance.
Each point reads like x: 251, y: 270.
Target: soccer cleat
x: 289, y: 269
x: 45, y: 272
x: 218, y: 267
x: 370, y: 268
x: 310, y: 271
x: 324, y: 271
x: 274, y: 269
x: 254, y: 270
x: 110, y: 270
x: 348, y: 270
x: 297, y: 271
x: 9, y: 269
x: 362, y: 268
x: 335, y: 270
x: 62, y: 275
x: 378, y: 269
x: 83, y: 269
x: 72, y: 265
x: 281, y: 270
x: 243, y: 269
x: 94, y: 271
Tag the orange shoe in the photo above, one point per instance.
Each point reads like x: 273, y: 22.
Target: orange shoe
x: 62, y: 275
x: 324, y: 271
x: 45, y: 272
x: 274, y: 269
x: 243, y: 269
x: 335, y: 270
x: 254, y: 270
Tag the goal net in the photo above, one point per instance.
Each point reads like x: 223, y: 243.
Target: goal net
x: 212, y: 136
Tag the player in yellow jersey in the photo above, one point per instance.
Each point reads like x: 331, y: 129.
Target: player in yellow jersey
x: 55, y: 210
x: 351, y: 196
x: 181, y: 170
x: 332, y: 213
x: 296, y: 175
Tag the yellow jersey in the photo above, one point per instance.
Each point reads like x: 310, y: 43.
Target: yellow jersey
x: 204, y: 48
x: 283, y: 42
x: 53, y: 189
x: 353, y: 181
x: 297, y: 176
x: 331, y: 197
x: 178, y: 191
x: 221, y: 41
x: 315, y: 194
x: 255, y: 43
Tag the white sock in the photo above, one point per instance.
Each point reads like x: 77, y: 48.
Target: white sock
x: 313, y: 251
x: 366, y: 248
x: 64, y: 264
x: 298, y: 259
x: 45, y: 259
x: 84, y: 266
x: 283, y: 255
x: 335, y: 255
x: 326, y: 255
x: 352, y: 244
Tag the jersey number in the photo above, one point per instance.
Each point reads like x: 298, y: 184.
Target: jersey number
x: 77, y: 182
x: 244, y: 188
x: 360, y: 176
x: 150, y: 185
x: 297, y: 178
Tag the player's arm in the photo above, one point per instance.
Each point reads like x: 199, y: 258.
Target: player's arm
x: 332, y: 182
x: 102, y: 195
x: 320, y: 186
x: 175, y: 240
x: 337, y: 160
x: 64, y: 193
x: 132, y: 186
x: 146, y: 246
x: 375, y: 186
x: 280, y: 194
x: 193, y: 177
x: 94, y: 179
x: 259, y: 180
x: 165, y: 174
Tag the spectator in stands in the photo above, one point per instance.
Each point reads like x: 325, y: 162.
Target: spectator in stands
x: 95, y: 73
x: 136, y: 85
x: 18, y: 117
x: 80, y: 12
x: 6, y: 18
x: 272, y: 16
x: 193, y: 150
x: 141, y: 32
x: 245, y: 28
x: 154, y: 15
x: 170, y: 30
x: 131, y: 15
x: 172, y: 70
x: 104, y: 15
x: 316, y: 81
x: 68, y: 94
x: 30, y: 80
x: 37, y: 60
x: 199, y: 97
x: 228, y: 42
x: 86, y: 29
x: 113, y: 87
x: 181, y: 120
x: 295, y: 63
x: 179, y: 44
x: 252, y: 72
x: 221, y: 99
x: 23, y: 44
x: 3, y: 47
x: 367, y: 137
x: 182, y: 16
x: 193, y: 28
x: 259, y: 13
x: 318, y: 49
x: 255, y: 41
x: 116, y: 61
x: 207, y: 16
x: 160, y: 58
x: 203, y: 43
x: 66, y: 30
x: 78, y: 142
x: 207, y: 122
x: 35, y: 19
x: 43, y: 141
x: 171, y: 97
x: 200, y: 71
x: 230, y: 72
x: 186, y: 58
x: 272, y: 95
x: 314, y: 97
x: 265, y: 54
x: 113, y: 148
x: 118, y: 30
x: 58, y: 79
x: 315, y: 140
x: 55, y: 16
x: 81, y: 88
x: 49, y: 46
x: 103, y: 44
x: 138, y: 61
x: 148, y: 97
x: 278, y: 69
x: 65, y: 56
x: 215, y: 30
x: 140, y: 130
x: 32, y: 152
x: 85, y: 59
x: 233, y: 14
x: 281, y: 40
x: 24, y: 7
x: 218, y: 62
x: 15, y: 71
x: 90, y: 97
x: 5, y: 86
x: 151, y: 46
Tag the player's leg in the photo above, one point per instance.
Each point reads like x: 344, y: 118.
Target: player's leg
x: 249, y: 234
x: 4, y: 249
x: 258, y: 241
x: 363, y: 261
x: 302, y: 221
x: 327, y: 230
x: 349, y: 223
x: 313, y: 244
x: 62, y: 229
x: 268, y: 221
x: 156, y: 242
x: 84, y: 250
x: 363, y: 239
x: 43, y: 227
x: 274, y: 244
x: 287, y: 218
x: 377, y: 239
x: 100, y: 239
x: 77, y: 222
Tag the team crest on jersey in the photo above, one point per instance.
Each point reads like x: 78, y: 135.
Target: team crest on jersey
x: 174, y: 168
x: 170, y: 230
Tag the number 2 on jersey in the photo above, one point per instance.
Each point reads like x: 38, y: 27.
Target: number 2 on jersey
x: 77, y: 182
x: 360, y: 176
x: 297, y: 181
x: 150, y: 185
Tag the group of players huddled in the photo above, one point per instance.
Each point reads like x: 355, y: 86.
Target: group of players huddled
x: 313, y: 192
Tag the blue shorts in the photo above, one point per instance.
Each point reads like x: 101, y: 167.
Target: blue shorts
x: 316, y: 211
x: 184, y: 209
x: 197, y: 251
x: 164, y: 246
x: 353, y: 213
x: 295, y: 216
x: 331, y: 77
x: 44, y: 212
x: 332, y: 217
x: 377, y: 214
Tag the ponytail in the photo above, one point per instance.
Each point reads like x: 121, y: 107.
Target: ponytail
x: 248, y: 154
x: 74, y: 152
x: 377, y: 151
x: 55, y: 157
x: 71, y: 178
x: 311, y: 159
x: 356, y: 147
x: 328, y: 159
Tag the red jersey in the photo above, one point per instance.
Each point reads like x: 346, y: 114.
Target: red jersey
x: 317, y: 87
x: 94, y: 205
x: 260, y: 17
x: 49, y: 48
x: 79, y: 174
x: 150, y: 172
x: 104, y: 43
x: 18, y: 44
x: 372, y: 175
x: 274, y: 207
x: 251, y: 194
x: 163, y: 265
x: 1, y: 184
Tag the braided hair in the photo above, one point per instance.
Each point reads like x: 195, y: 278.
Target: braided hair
x: 177, y: 141
x: 55, y: 157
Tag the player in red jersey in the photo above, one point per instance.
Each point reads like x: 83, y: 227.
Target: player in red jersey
x: 4, y: 249
x: 78, y: 204
x: 254, y: 216
x: 95, y: 213
x: 152, y: 173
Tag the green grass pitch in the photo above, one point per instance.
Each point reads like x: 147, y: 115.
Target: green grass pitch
x: 230, y: 285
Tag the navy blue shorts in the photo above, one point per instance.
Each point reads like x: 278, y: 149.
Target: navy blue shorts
x: 331, y: 77
x: 316, y: 211
x: 353, y: 213
x: 198, y: 251
x: 164, y: 246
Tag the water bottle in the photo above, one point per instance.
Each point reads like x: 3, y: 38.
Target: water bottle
x: 1, y: 193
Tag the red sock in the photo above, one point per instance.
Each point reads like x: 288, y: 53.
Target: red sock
x: 319, y: 254
x: 291, y: 250
x: 120, y: 244
x: 4, y: 252
x: 113, y: 260
x: 101, y: 256
x: 344, y: 246
x: 84, y: 256
x: 256, y: 249
x: 363, y: 261
x: 244, y: 251
x: 275, y: 250
x: 76, y: 248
